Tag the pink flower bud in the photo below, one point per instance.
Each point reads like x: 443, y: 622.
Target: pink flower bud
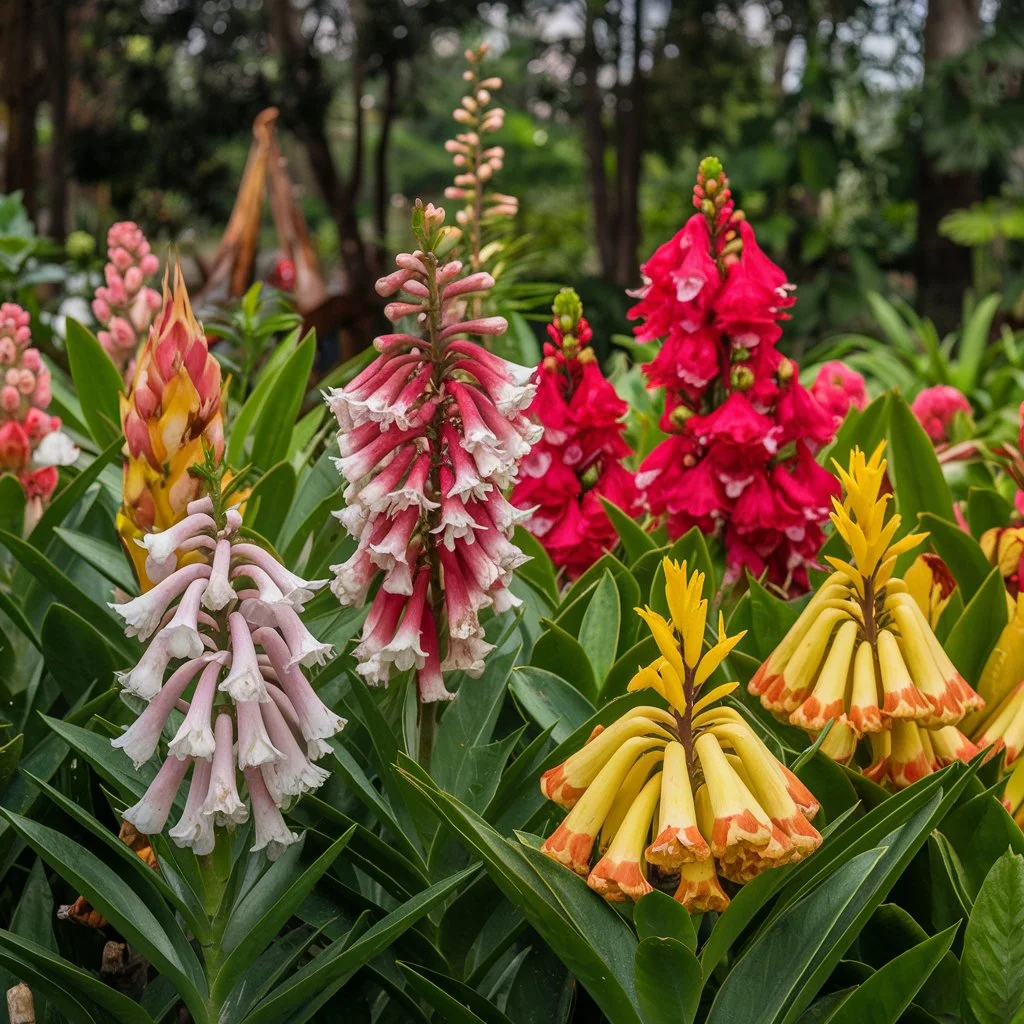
x: 8, y: 352
x: 132, y: 279
x: 122, y: 259
x: 122, y: 332
x: 149, y: 265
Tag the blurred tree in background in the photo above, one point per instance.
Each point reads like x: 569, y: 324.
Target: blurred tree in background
x: 880, y: 143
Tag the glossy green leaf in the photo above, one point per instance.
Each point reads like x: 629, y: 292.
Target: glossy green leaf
x: 658, y: 915
x: 540, y: 570
x: 993, y: 956
x: 599, y: 631
x: 975, y: 633
x: 636, y: 541
x: 915, y: 472
x: 889, y: 991
x: 105, y: 557
x: 973, y: 342
x: 97, y: 383
x: 454, y: 1001
x: 271, y: 429
x: 12, y: 504
x: 270, y: 499
x: 986, y: 509
x: 552, y: 702
x: 960, y: 551
x: 558, y: 651
x: 668, y: 981
x: 75, y: 653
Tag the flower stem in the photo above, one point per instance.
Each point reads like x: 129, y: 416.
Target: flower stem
x: 428, y: 725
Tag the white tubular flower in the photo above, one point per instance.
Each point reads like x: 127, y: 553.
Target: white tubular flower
x: 244, y: 682
x: 143, y: 614
x: 296, y: 774
x: 195, y: 737
x: 149, y: 815
x: 182, y: 632
x: 222, y: 804
x: 219, y: 592
x: 272, y: 834
x: 139, y: 741
x: 254, y: 746
x: 194, y: 828
x: 146, y: 678
x: 161, y: 548
x: 303, y: 647
x: 296, y: 590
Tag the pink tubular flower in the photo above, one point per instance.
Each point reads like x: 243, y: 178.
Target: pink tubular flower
x: 424, y: 499
x: 837, y: 388
x: 935, y: 409
x: 247, y: 648
x: 32, y: 445
x: 125, y: 305
x: 579, y: 458
x: 739, y: 459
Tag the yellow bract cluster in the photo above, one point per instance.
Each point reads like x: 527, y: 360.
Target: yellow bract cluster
x: 681, y: 795
x: 863, y: 656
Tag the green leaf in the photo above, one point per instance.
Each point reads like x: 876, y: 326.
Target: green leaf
x: 106, y: 558
x: 863, y: 431
x: 12, y: 504
x: 893, y: 325
x: 540, y: 570
x: 266, y: 908
x: 975, y: 633
x: 636, y: 541
x: 75, y: 654
x: 69, y: 593
x: 619, y: 675
x: 97, y: 382
x: 993, y: 957
x: 270, y: 499
x: 658, y: 915
x: 118, y: 903
x: 455, y: 1001
x: 117, y: 1006
x: 549, y: 700
x: 973, y: 342
x: 986, y: 509
x: 889, y: 991
x: 559, y: 651
x: 306, y: 991
x: 668, y: 981
x: 271, y: 429
x: 960, y: 551
x: 917, y: 477
x: 599, y: 631
x: 771, y: 618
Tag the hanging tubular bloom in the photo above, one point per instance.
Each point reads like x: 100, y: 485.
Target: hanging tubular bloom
x: 32, y: 445
x: 579, y: 459
x: 226, y: 647
x: 696, y: 777
x: 931, y: 585
x: 125, y: 305
x: 431, y: 433
x: 739, y: 460
x: 173, y: 409
x: 476, y: 162
x: 862, y: 653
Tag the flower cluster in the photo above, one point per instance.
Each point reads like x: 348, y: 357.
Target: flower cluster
x: 862, y: 655
x: 838, y: 389
x: 432, y: 432
x: 740, y: 456
x: 579, y: 459
x: 223, y: 629
x: 476, y: 162
x: 32, y: 444
x: 696, y: 777
x: 125, y: 305
x: 936, y: 409
x: 172, y: 412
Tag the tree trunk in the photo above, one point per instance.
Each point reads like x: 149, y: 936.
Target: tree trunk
x: 594, y: 143
x: 307, y: 111
x: 57, y: 55
x: 944, y: 268
x: 20, y: 99
x: 629, y: 154
x: 381, y: 192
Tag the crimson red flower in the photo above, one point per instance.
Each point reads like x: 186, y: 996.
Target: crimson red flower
x: 935, y: 409
x: 837, y: 388
x: 740, y: 461
x: 578, y: 460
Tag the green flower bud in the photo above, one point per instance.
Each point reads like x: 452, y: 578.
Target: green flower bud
x: 741, y: 378
x: 568, y: 308
x: 80, y: 245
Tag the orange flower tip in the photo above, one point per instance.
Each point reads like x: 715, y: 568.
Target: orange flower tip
x: 804, y: 837
x: 674, y: 847
x: 617, y: 881
x: 594, y: 733
x: 864, y: 718
x: 702, y: 893
x: 800, y: 794
x: 742, y: 828
x: 876, y: 772
x: 762, y: 680
x: 780, y: 696
x: 570, y: 848
x: 555, y: 786
x: 906, y: 773
x: 813, y: 715
x: 907, y: 702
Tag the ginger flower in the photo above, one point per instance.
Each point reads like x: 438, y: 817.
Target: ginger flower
x: 172, y: 410
x: 678, y: 796
x: 862, y: 654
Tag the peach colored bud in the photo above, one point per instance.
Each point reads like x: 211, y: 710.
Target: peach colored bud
x: 491, y: 83
x: 9, y: 398
x: 484, y: 172
x: 483, y: 97
x: 471, y: 139
x: 502, y: 210
x: 455, y: 193
x: 497, y: 152
x: 465, y: 180
x: 27, y: 382
x: 462, y: 116
x: 455, y: 147
x: 467, y: 76
x: 8, y: 353
x: 469, y: 103
x: 101, y: 310
x: 470, y: 56
x: 149, y: 264
x: 392, y: 282
x: 459, y: 160
x: 483, y: 49
x: 133, y: 280
x: 462, y: 217
x: 396, y: 310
